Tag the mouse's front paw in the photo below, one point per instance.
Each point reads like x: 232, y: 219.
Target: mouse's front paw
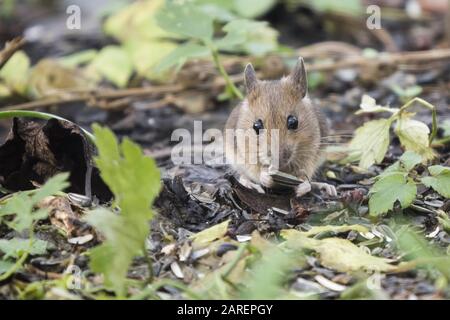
x: 302, y: 189
x: 250, y: 185
x: 329, y: 189
x: 266, y: 180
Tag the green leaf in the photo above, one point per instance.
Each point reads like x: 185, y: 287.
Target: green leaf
x: 15, y: 72
x: 414, y: 136
x: 180, y: 55
x: 186, y: 20
x: 369, y: 105
x: 253, y: 8
x: 220, y: 10
x: 15, y: 247
x: 349, y: 7
x: 53, y: 185
x: 145, y: 56
x: 114, y: 64
x: 415, y: 247
x: 135, y: 181
x: 405, y: 164
x: 22, y: 204
x: 268, y: 275
x: 370, y: 142
x: 445, y: 127
x: 336, y: 253
x: 407, y: 93
x: 124, y: 241
x: 215, y: 232
x: 4, y: 90
x: 389, y: 189
x: 5, y: 266
x: 439, y: 180
x: 409, y: 160
x: 136, y: 22
x: 78, y: 58
x: 247, y: 36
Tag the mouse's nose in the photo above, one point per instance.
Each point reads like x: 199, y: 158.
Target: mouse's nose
x: 285, y: 156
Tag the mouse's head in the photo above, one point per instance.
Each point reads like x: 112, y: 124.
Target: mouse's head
x: 282, y: 105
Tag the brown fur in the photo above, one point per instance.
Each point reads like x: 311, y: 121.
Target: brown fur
x: 273, y: 102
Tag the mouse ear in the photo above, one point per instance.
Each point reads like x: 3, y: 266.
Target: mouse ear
x: 250, y: 78
x: 299, y: 79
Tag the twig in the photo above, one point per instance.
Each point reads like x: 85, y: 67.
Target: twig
x: 10, y: 48
x: 393, y: 59
x: 351, y: 61
x: 86, y: 95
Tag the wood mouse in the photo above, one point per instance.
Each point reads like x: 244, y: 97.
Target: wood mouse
x: 284, y: 105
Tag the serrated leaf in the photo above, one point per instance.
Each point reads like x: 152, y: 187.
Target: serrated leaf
x: 125, y: 238
x: 268, y: 276
x: 415, y: 247
x: 15, y: 247
x: 370, y: 142
x: 369, y: 105
x: 215, y: 232
x: 180, y: 55
x: 135, y: 181
x: 112, y: 63
x: 15, y: 72
x: 388, y: 189
x: 53, y: 185
x: 439, y: 180
x: 185, y: 19
x: 405, y: 163
x: 414, y: 136
x: 247, y: 36
x: 336, y: 253
x: 22, y: 204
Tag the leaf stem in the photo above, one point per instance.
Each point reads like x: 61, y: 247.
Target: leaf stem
x: 149, y: 261
x: 165, y: 282
x: 235, y: 261
x: 41, y: 115
x: 428, y: 105
x: 230, y: 85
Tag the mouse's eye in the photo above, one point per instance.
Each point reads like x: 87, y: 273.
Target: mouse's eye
x: 292, y: 122
x: 258, y: 125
